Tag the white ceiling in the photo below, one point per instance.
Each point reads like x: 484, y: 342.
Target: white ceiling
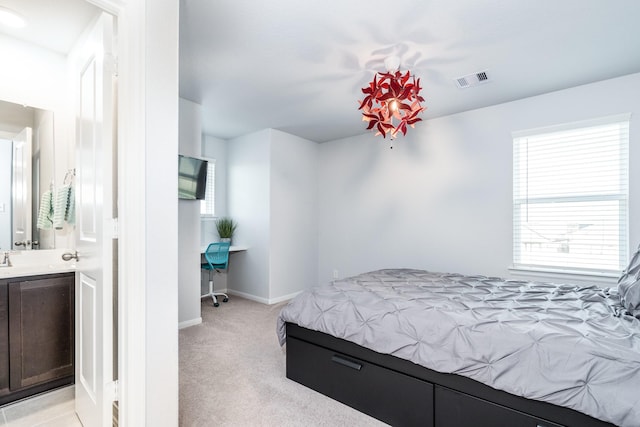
x: 298, y: 66
x: 52, y: 24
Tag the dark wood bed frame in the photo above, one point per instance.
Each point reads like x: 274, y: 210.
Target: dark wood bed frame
x: 401, y: 393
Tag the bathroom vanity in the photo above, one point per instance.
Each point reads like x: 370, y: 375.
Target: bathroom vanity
x: 36, y: 334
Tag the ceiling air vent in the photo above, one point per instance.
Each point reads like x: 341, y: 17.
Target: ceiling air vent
x: 473, y: 79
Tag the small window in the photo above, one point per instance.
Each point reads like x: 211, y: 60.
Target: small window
x: 570, y: 197
x: 207, y: 205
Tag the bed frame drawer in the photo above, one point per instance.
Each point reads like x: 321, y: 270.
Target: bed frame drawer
x: 455, y: 409
x: 502, y: 406
x: 364, y: 386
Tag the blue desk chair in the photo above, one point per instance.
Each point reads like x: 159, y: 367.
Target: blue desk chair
x: 217, y: 256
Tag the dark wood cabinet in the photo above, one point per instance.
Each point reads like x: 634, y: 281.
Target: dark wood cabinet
x: 4, y: 339
x: 37, y: 337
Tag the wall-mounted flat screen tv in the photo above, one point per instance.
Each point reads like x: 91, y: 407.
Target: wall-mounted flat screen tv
x: 192, y: 178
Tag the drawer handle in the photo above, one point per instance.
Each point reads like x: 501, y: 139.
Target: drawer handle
x: 346, y: 362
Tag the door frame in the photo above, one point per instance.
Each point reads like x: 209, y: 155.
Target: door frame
x: 131, y: 335
x: 147, y: 115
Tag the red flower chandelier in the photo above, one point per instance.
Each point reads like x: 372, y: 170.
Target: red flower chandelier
x: 392, y: 101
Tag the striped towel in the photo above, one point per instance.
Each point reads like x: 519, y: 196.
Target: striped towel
x: 61, y: 206
x: 70, y: 217
x: 45, y: 213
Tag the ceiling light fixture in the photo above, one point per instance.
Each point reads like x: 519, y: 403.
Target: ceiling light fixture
x: 392, y: 100
x: 11, y: 19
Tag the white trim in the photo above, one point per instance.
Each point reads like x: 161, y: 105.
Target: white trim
x: 622, y: 117
x: 111, y: 6
x: 574, y: 199
x: 248, y: 296
x: 132, y: 317
x: 268, y: 301
x: 561, y: 275
x: 131, y: 248
x: 188, y: 323
x: 210, y: 189
x: 284, y: 298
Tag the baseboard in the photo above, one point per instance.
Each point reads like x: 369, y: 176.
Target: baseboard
x: 247, y: 296
x: 268, y: 301
x: 188, y: 323
x: 284, y: 298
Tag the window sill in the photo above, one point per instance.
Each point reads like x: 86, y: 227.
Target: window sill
x: 605, y: 278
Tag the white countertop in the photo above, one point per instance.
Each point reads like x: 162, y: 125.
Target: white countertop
x: 35, y: 270
x: 36, y: 263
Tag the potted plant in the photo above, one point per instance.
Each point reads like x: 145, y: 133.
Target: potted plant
x: 225, y: 226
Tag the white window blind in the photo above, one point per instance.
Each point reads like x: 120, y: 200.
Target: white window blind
x: 207, y: 206
x: 570, y: 196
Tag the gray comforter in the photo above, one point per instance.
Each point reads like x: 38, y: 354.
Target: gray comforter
x: 564, y: 344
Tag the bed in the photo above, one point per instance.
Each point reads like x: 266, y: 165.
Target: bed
x: 413, y: 347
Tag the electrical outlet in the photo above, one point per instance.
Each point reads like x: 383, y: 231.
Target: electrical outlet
x: 335, y: 273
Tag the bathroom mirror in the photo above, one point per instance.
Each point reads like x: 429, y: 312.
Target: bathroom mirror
x: 38, y: 76
x: 26, y: 172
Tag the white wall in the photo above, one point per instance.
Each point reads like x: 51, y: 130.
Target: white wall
x: 294, y: 215
x: 190, y: 141
x: 155, y: 25
x: 440, y: 200
x: 272, y: 181
x: 248, y: 170
x: 34, y: 76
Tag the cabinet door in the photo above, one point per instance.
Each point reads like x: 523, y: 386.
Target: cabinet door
x: 41, y: 330
x: 4, y: 340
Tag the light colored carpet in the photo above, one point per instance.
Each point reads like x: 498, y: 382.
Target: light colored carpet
x: 232, y: 373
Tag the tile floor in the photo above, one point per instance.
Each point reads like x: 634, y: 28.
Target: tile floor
x: 52, y: 409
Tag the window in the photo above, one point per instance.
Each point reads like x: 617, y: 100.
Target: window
x: 570, y: 193
x: 207, y: 206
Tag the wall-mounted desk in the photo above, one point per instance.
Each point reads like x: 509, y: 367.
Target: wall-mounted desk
x: 233, y: 248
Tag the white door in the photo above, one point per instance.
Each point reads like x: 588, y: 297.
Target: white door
x: 94, y: 237
x: 21, y: 191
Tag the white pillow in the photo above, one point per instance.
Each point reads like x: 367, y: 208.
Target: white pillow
x: 629, y: 284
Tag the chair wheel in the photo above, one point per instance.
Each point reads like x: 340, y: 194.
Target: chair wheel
x: 225, y: 300
x: 216, y: 304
